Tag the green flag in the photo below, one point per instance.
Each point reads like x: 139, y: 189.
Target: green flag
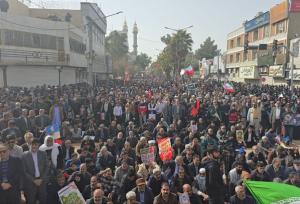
x: 273, y: 193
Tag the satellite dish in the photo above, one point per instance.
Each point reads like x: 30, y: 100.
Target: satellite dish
x: 4, y: 6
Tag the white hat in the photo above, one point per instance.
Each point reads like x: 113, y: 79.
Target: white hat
x: 202, y: 171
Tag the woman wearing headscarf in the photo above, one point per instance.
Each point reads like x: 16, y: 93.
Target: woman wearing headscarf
x: 54, y: 152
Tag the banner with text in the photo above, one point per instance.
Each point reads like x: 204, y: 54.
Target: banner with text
x: 165, y: 149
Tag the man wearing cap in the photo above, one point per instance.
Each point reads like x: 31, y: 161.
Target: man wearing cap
x: 165, y: 196
x: 156, y: 180
x: 143, y: 193
x: 11, y: 171
x: 214, y: 180
x: 259, y: 174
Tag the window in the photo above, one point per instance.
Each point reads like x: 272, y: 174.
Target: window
x: 77, y: 46
x: 280, y: 27
x: 231, y: 43
x: 254, y: 54
x: 245, y: 56
x: 238, y: 57
x: 231, y: 59
x: 266, y: 31
x: 60, y: 44
x: 27, y: 39
x: 238, y: 42
x: 255, y: 35
x: 9, y: 37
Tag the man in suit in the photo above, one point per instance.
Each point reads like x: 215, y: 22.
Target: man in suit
x: 194, y: 166
x: 10, y: 177
x: 36, y: 169
x: 12, y: 129
x: 143, y: 193
x: 276, y: 116
x: 42, y: 120
x: 23, y: 122
x: 67, y: 150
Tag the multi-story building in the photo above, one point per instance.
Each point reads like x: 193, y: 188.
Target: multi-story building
x: 280, y: 23
x: 51, y: 46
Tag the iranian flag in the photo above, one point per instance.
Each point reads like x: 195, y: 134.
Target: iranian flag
x: 273, y: 193
x: 228, y: 87
x: 189, y: 71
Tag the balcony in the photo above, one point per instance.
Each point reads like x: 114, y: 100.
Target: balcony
x: 16, y: 57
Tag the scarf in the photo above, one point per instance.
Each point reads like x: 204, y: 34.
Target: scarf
x: 54, y: 148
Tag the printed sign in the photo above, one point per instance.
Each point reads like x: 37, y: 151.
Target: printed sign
x: 70, y: 195
x: 276, y: 71
x: 165, y: 149
x: 247, y: 72
x: 296, y: 75
x: 295, y: 6
x: 257, y: 22
x: 147, y: 155
x: 265, y: 57
x: 279, y: 12
x: 239, y: 136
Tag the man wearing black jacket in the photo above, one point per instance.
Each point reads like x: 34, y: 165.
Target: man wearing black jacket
x: 214, y: 180
x: 11, y: 171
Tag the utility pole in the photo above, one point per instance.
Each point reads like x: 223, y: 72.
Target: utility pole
x: 90, y: 54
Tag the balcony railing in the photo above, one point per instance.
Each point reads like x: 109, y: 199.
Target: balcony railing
x: 26, y: 57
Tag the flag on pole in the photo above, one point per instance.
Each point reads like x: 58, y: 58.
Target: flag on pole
x: 189, y: 71
x: 228, y: 87
x: 273, y: 193
x: 54, y: 128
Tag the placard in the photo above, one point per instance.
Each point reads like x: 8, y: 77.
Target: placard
x: 147, y: 155
x: 247, y: 72
x: 165, y: 149
x: 239, y: 136
x: 70, y: 195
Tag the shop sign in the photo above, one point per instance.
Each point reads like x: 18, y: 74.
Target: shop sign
x: 279, y: 12
x: 265, y: 57
x: 247, y: 72
x: 276, y: 71
x: 257, y: 22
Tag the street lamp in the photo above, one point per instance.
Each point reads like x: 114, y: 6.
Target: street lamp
x: 176, y: 48
x: 59, y: 69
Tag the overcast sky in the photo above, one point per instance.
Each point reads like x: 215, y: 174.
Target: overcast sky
x: 214, y: 18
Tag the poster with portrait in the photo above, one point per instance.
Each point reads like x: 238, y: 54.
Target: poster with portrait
x: 70, y: 195
x: 147, y: 155
x: 239, y: 136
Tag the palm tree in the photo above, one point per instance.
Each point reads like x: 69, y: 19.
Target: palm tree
x: 178, y: 46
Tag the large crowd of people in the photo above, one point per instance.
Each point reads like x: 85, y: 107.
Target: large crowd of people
x: 218, y: 139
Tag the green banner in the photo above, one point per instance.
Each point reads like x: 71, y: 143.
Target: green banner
x: 265, y: 58
x: 273, y: 193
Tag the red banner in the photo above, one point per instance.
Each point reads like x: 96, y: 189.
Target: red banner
x: 165, y: 149
x: 295, y: 6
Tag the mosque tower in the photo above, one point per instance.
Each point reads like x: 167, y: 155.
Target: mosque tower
x: 135, y: 33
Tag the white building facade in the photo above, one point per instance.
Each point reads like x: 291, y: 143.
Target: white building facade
x: 37, y: 50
